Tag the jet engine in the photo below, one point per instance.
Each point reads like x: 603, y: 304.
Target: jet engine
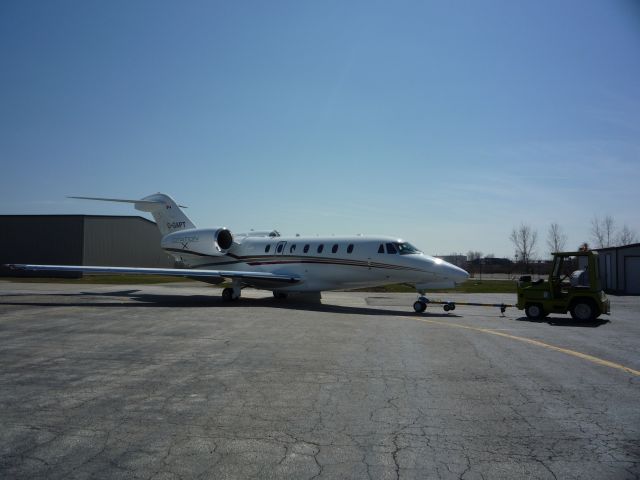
x: 200, y: 241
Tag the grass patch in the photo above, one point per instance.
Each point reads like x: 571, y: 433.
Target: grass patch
x: 487, y: 286
x: 470, y: 286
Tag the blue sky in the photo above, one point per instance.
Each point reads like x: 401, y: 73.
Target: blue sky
x: 446, y: 123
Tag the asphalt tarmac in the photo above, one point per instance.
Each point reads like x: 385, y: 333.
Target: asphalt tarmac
x: 169, y: 382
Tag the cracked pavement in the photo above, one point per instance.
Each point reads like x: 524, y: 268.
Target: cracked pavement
x: 168, y: 382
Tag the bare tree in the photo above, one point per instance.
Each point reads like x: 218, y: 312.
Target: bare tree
x: 471, y: 255
x: 602, y: 231
x: 556, y: 239
x: 626, y: 236
x: 524, y: 238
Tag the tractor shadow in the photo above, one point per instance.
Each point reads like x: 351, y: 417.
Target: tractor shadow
x: 565, y: 322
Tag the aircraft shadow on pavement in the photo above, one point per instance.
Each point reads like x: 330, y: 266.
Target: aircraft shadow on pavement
x: 134, y: 299
x: 566, y: 322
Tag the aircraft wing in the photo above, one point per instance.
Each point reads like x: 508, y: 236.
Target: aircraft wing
x: 261, y: 279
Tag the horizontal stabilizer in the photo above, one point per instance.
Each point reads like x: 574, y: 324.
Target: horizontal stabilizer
x: 148, y: 203
x: 165, y: 211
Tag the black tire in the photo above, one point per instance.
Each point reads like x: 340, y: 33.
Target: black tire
x: 583, y: 310
x: 534, y: 311
x: 227, y: 294
x: 419, y: 306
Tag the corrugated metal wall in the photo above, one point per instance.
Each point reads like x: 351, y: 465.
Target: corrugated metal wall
x: 41, y: 239
x: 79, y: 240
x: 632, y: 274
x: 123, y: 242
x: 619, y: 268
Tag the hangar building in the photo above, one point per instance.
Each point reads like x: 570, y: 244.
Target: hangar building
x: 620, y: 269
x: 80, y: 240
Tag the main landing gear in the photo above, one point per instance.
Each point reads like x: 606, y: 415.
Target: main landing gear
x: 233, y: 292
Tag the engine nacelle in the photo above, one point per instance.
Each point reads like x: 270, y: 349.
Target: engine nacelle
x: 202, y: 241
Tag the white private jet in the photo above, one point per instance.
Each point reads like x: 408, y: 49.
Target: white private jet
x: 268, y: 261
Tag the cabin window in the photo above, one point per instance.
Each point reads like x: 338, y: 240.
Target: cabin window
x: 391, y: 248
x: 381, y: 248
x: 350, y: 248
x: 306, y: 248
x: 292, y: 248
x: 334, y: 249
x: 320, y: 248
x: 267, y: 248
x: 280, y: 247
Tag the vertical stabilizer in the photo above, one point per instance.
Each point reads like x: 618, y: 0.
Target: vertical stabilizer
x: 166, y: 212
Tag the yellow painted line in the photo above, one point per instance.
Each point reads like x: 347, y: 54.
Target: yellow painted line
x: 583, y: 356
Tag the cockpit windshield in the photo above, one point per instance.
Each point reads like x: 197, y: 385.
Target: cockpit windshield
x: 405, y: 248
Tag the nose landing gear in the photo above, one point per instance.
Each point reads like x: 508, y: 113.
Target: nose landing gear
x: 420, y: 305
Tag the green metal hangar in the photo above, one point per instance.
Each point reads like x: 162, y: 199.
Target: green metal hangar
x: 79, y: 240
x: 620, y: 269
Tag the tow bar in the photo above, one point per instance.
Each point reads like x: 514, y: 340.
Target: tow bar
x: 449, y: 306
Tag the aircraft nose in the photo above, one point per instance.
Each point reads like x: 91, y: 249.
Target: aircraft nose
x: 440, y: 274
x: 456, y: 274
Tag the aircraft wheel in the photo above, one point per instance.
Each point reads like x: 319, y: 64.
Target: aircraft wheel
x: 534, y: 311
x: 449, y: 307
x: 583, y: 310
x: 227, y: 294
x: 419, y: 306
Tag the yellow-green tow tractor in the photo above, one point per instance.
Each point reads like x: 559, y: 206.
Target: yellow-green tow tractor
x: 573, y: 286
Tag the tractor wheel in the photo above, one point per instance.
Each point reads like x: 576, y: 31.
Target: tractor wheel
x: 534, y: 311
x: 583, y: 310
